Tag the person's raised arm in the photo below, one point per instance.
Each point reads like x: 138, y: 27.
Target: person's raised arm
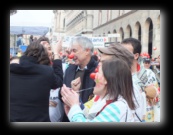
x: 57, y: 65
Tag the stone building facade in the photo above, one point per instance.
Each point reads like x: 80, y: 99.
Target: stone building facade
x: 73, y: 22
x: 141, y: 24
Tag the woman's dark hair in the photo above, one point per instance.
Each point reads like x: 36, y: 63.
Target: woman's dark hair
x: 43, y: 38
x: 37, y: 50
x: 119, y: 80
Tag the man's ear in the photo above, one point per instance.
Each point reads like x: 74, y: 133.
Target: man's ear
x: 136, y: 56
x: 88, y: 51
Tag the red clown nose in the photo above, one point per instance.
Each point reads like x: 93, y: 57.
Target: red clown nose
x: 92, y: 75
x: 71, y: 56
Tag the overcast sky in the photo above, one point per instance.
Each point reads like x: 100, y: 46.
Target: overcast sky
x: 32, y: 18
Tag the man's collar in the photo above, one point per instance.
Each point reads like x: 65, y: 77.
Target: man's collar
x: 78, y: 68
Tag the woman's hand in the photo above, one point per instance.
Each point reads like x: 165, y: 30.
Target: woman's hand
x: 66, y: 109
x: 75, y: 84
x: 69, y: 96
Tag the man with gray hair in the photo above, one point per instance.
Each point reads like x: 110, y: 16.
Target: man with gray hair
x: 79, y: 72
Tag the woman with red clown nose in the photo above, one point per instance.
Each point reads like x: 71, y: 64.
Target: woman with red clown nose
x: 115, y: 91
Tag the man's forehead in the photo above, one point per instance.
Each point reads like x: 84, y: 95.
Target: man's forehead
x: 75, y: 47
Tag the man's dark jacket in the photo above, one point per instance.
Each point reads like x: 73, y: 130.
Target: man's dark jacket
x: 30, y: 85
x: 87, y: 81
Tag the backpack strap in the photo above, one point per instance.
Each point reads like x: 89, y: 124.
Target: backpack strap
x: 138, y: 117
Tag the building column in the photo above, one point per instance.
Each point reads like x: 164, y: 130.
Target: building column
x: 144, y: 38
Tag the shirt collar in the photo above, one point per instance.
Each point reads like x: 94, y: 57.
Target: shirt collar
x: 78, y: 68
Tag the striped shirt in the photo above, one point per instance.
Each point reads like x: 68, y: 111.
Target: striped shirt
x: 117, y: 111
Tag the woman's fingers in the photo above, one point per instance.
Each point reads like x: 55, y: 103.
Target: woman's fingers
x: 64, y: 99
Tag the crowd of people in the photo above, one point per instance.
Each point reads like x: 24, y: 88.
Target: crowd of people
x: 114, y: 85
